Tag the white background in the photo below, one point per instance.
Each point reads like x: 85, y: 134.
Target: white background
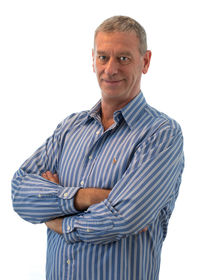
x: 46, y: 74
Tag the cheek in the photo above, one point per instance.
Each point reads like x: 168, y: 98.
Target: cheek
x: 98, y: 70
x: 136, y: 73
x: 131, y: 76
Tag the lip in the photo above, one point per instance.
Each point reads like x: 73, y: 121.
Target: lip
x: 111, y: 82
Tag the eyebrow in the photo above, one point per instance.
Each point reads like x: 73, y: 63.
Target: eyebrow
x: 125, y: 53
x: 101, y: 52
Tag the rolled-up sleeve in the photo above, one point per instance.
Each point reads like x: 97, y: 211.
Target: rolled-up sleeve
x: 150, y: 184
x: 36, y: 199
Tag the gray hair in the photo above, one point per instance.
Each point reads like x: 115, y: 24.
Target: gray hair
x: 124, y: 24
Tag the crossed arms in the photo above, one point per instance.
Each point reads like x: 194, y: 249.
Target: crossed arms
x: 95, y: 215
x: 83, y: 199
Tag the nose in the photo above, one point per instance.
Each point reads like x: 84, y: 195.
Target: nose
x: 111, y: 67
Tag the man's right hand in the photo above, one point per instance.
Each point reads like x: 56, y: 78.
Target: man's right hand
x: 51, y: 177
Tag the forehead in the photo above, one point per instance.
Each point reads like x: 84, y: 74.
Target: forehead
x: 119, y: 41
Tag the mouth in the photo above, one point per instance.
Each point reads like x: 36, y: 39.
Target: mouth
x: 111, y: 82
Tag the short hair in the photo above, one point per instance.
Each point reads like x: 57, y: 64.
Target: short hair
x: 124, y: 24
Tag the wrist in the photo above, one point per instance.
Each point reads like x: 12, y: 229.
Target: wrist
x: 89, y: 196
x: 81, y: 200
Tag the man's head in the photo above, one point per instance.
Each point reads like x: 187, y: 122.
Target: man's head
x: 124, y: 24
x: 120, y: 57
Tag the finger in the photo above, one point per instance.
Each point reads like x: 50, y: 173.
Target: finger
x: 44, y: 175
x: 55, y: 225
x: 56, y: 177
x: 51, y: 177
x: 144, y: 230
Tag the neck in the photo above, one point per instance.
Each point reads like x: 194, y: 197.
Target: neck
x: 107, y: 111
x: 109, y: 106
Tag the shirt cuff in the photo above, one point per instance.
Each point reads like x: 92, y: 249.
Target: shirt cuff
x: 66, y: 200
x: 68, y: 227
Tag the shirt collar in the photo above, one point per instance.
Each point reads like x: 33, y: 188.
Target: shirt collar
x: 133, y: 110
x: 130, y: 113
x: 94, y: 112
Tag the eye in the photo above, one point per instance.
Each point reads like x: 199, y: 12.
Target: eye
x: 124, y: 60
x: 102, y: 58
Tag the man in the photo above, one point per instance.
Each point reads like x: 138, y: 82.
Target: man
x: 105, y: 183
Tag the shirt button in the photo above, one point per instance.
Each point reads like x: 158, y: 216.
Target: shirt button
x: 90, y: 157
x: 97, y: 133
x: 65, y: 194
x: 68, y: 228
x: 88, y: 230
x: 82, y: 183
x: 39, y: 195
x: 68, y: 261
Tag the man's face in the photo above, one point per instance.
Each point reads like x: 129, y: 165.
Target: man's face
x: 119, y: 65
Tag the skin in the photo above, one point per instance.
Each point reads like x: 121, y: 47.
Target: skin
x: 119, y: 66
x: 83, y: 199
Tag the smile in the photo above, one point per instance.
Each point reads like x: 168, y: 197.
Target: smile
x: 112, y: 82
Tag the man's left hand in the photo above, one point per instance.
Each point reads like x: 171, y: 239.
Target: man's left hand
x: 55, y: 225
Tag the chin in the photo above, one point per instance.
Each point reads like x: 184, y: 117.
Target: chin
x: 111, y: 95
x: 115, y: 98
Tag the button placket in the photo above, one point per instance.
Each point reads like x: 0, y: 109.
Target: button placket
x: 82, y: 183
x: 89, y: 159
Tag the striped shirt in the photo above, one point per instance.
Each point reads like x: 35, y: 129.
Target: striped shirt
x: 140, y: 158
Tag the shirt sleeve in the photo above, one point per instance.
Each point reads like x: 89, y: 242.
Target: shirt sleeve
x: 150, y: 184
x: 36, y: 199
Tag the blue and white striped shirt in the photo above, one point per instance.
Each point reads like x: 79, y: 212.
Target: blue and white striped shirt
x: 140, y: 158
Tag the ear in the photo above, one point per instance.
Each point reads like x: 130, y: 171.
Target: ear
x: 147, y: 59
x: 93, y: 60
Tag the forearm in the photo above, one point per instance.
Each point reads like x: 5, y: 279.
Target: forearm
x: 84, y: 198
x: 135, y: 202
x: 37, y: 200
x: 34, y: 198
